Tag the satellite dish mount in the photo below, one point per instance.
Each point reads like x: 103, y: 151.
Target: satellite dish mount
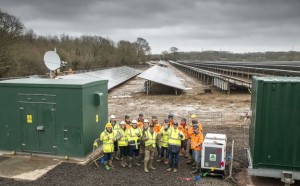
x: 52, y: 61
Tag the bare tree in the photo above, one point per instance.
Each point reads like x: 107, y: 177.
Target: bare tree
x: 174, y: 50
x: 10, y: 31
x: 143, y: 49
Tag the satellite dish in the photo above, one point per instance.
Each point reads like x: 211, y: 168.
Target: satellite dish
x: 52, y: 60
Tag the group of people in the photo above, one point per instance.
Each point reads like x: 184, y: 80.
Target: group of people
x: 135, y: 141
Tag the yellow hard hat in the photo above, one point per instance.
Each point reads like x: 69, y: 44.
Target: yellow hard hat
x: 108, y: 125
x: 193, y: 116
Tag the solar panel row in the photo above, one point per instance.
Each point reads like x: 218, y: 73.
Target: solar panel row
x: 162, y: 76
x: 115, y: 76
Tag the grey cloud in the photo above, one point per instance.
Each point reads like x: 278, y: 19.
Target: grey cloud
x: 260, y: 24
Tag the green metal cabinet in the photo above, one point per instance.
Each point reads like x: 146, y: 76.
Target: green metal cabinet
x: 274, y: 135
x: 52, y: 116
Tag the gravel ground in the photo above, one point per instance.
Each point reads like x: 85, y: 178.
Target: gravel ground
x: 2, y: 158
x: 73, y: 174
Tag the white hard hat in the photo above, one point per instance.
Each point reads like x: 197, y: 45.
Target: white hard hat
x: 112, y: 117
x: 146, y: 121
x: 134, y: 121
x: 122, y: 123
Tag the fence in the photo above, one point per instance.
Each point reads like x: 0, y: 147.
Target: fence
x: 206, y: 118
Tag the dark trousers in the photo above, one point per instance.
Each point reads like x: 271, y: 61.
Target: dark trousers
x: 162, y: 152
x: 124, y: 151
x: 184, y: 144
x: 158, y: 149
x: 173, y: 158
x: 107, y: 156
x: 116, y: 146
x: 133, y: 151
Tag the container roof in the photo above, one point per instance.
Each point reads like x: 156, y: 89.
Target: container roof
x: 51, y: 82
x: 115, y: 76
x: 277, y: 79
x: 162, y: 76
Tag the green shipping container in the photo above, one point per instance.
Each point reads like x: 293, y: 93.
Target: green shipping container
x: 52, y: 116
x: 274, y: 136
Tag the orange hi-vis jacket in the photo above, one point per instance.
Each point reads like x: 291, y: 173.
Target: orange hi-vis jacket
x: 184, y: 131
x: 171, y: 123
x: 127, y: 125
x: 190, y: 130
x: 196, y: 141
x: 140, y: 124
x: 157, y: 128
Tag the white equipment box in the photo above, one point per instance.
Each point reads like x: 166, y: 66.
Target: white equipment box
x: 214, y: 152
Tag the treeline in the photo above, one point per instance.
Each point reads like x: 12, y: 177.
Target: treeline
x: 22, y: 51
x: 228, y: 56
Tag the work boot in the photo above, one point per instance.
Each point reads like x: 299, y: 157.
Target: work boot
x: 181, y: 153
x: 166, y: 162
x: 130, y: 162
x: 146, y: 166
x: 106, y: 165
x: 111, y: 164
x: 175, y: 170
x: 122, y: 163
x: 187, y: 155
x: 158, y: 160
x: 136, y: 162
x: 116, y: 155
x: 151, y: 164
x: 169, y: 169
x: 125, y: 161
x: 196, y: 171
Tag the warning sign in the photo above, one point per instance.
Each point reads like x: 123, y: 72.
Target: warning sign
x: 212, y: 157
x: 29, y: 118
x: 97, y: 118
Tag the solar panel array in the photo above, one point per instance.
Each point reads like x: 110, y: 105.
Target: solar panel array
x: 162, y: 76
x: 115, y: 76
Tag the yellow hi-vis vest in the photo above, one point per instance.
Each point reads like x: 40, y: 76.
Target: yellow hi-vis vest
x: 151, y: 138
x: 123, y: 140
x: 174, y: 138
x: 164, y: 141
x: 116, y: 127
x: 107, y: 141
x: 134, y: 136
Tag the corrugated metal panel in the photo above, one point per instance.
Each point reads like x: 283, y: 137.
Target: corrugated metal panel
x: 275, y: 123
x: 115, y: 76
x: 221, y: 84
x: 162, y: 76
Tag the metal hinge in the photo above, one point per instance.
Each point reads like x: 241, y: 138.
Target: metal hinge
x: 65, y: 139
x: 53, y: 109
x: 65, y: 130
x: 23, y: 144
x: 21, y: 108
x: 55, y: 147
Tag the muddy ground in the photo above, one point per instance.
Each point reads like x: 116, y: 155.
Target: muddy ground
x: 218, y: 112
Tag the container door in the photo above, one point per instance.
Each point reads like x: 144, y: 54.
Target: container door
x: 29, y: 120
x: 46, y: 128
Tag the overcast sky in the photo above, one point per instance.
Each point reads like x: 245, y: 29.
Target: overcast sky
x: 190, y: 25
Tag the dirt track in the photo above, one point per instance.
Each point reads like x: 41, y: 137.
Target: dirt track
x: 129, y: 98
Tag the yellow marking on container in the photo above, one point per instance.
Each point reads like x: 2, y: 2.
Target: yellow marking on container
x: 29, y: 118
x: 97, y: 118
